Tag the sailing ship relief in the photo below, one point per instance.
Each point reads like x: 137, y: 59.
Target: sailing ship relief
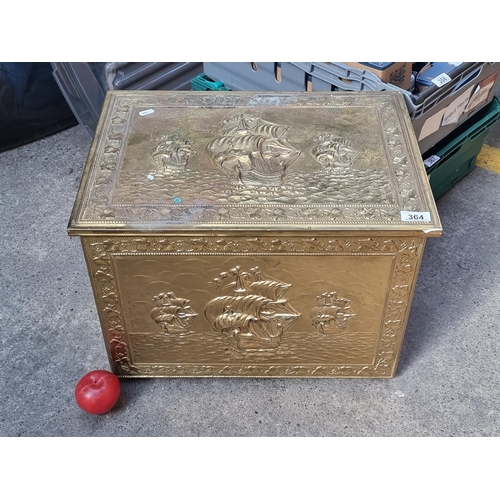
x: 253, y: 313
x: 171, y: 152
x: 331, y: 151
x: 331, y: 313
x: 252, y: 151
x: 173, y: 314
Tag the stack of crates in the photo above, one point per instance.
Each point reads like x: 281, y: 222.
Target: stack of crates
x: 455, y: 156
x: 444, y: 107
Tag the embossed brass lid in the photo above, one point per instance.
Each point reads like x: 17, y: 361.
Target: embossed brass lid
x: 167, y: 161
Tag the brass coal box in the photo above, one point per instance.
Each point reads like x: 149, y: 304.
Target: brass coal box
x: 250, y: 234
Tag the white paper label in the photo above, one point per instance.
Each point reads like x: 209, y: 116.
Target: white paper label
x: 431, y: 160
x: 480, y: 95
x: 416, y: 216
x: 431, y: 125
x: 453, y: 112
x: 146, y: 112
x: 441, y: 79
x: 482, y: 91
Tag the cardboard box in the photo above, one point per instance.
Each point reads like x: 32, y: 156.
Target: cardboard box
x: 396, y: 73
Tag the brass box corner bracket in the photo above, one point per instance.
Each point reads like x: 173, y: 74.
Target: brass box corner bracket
x: 253, y: 234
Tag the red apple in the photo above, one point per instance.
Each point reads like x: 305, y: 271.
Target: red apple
x: 97, y: 392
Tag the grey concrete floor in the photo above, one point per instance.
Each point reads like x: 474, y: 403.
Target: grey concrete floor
x: 447, y: 383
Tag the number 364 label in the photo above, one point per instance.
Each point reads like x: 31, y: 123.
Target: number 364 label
x: 416, y: 216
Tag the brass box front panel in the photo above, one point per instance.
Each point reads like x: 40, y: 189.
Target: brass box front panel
x: 259, y: 306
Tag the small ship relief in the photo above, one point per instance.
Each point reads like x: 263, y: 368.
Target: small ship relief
x: 253, y: 313
x: 171, y: 153
x: 172, y: 313
x: 331, y: 151
x: 331, y: 313
x: 252, y: 151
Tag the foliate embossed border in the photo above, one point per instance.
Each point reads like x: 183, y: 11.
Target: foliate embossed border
x: 99, y: 252
x: 96, y: 208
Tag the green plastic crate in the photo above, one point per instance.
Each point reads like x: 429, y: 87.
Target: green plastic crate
x: 202, y: 82
x: 455, y: 156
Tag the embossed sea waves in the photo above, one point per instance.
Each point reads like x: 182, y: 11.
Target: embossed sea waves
x: 213, y: 348
x: 337, y: 185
